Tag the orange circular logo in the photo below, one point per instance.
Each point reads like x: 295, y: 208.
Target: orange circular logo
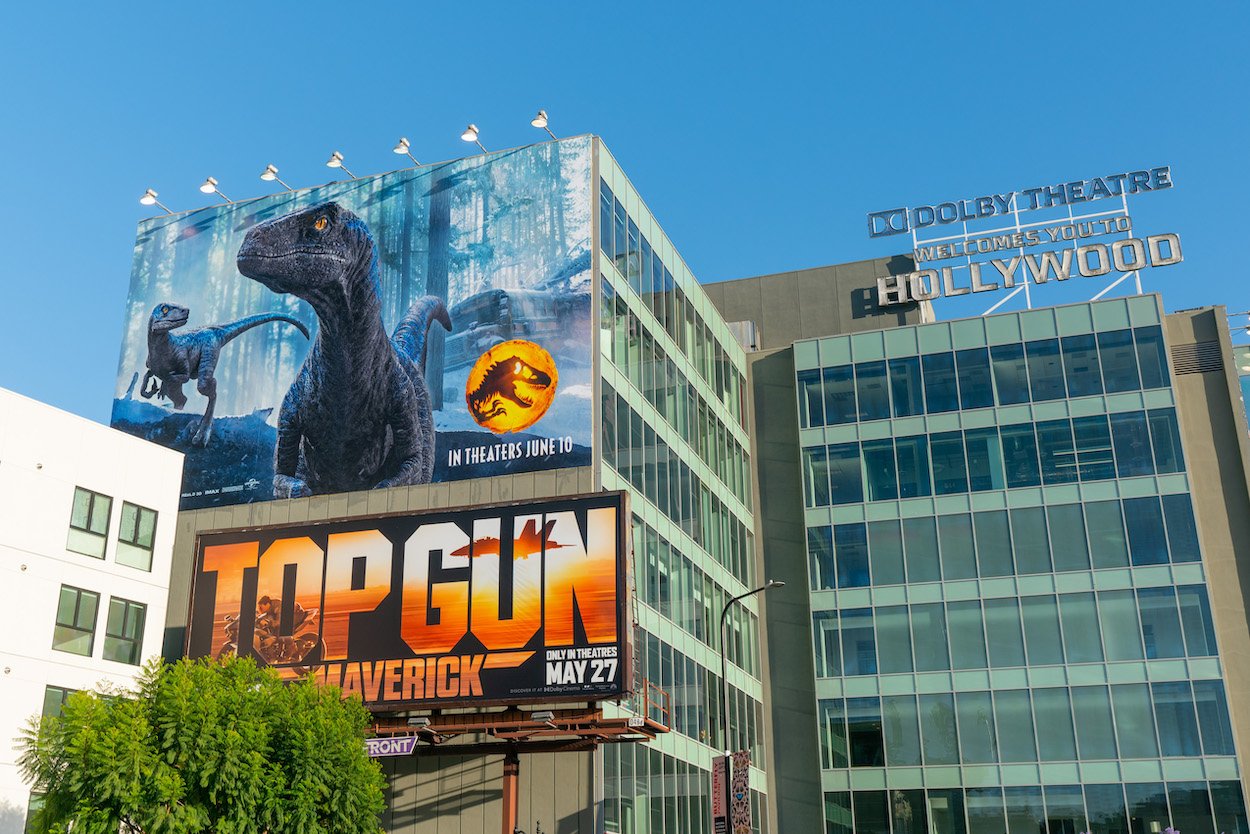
x: 511, y: 386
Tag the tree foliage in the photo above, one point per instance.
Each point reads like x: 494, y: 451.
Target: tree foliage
x: 206, y: 746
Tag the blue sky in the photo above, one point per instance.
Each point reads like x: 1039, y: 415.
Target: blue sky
x: 760, y: 136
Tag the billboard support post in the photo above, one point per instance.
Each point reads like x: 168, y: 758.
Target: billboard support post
x: 511, y: 780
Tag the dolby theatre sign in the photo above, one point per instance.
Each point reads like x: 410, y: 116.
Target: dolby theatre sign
x: 1019, y: 253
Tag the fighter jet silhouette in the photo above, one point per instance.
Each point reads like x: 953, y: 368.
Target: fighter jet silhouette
x: 528, y: 543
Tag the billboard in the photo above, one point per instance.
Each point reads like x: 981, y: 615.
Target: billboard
x: 430, y: 324
x: 508, y: 604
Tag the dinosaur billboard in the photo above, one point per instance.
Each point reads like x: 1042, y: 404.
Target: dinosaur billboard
x: 430, y: 324
x: 504, y: 604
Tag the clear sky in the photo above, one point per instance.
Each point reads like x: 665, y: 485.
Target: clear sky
x: 760, y: 135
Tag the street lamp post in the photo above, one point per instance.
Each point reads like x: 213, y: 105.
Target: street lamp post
x: 724, y: 694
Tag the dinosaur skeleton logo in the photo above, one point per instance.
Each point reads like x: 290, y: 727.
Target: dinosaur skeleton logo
x: 511, y: 386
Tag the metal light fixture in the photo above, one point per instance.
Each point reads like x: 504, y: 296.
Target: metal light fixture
x: 149, y: 199
x: 210, y: 187
x: 270, y: 174
x: 336, y: 161
x: 470, y: 135
x: 420, y: 722
x: 540, y: 121
x: 401, y: 148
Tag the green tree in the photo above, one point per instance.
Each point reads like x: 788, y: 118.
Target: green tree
x: 206, y: 746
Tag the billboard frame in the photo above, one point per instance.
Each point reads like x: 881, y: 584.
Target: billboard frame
x: 625, y: 617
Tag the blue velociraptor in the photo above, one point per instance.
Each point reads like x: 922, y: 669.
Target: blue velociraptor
x: 176, y: 358
x: 358, y: 416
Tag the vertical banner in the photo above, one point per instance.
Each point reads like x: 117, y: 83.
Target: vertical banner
x: 719, y: 811
x: 740, y: 793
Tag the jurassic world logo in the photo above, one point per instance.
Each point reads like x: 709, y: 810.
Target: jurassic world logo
x: 515, y: 603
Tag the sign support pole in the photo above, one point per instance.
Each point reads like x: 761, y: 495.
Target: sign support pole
x: 511, y: 778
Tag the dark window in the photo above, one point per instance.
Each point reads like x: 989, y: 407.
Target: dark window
x: 1002, y: 627
x: 908, y: 807
x: 859, y: 646
x: 937, y: 729
x: 940, y: 390
x: 1095, y: 734
x: 1011, y: 378
x: 993, y: 543
x: 985, y: 809
x: 1055, y: 446
x: 1119, y: 361
x: 833, y: 752
x: 893, y: 639
x: 871, y: 816
x: 825, y: 640
x: 820, y: 557
x: 136, y: 536
x: 967, y: 634
x: 1230, y: 807
x: 959, y: 559
x: 885, y: 552
x: 1151, y: 356
x: 1107, y: 543
x: 1106, y: 809
x: 1147, y: 806
x: 850, y: 544
x: 1080, y: 365
x: 605, y: 220
x: 75, y: 621
x: 872, y: 387
x: 881, y: 469
x: 845, y: 479
x: 1178, y: 514
x: 1134, y: 721
x: 54, y: 698
x: 976, y: 385
x: 811, y: 399
x: 89, y: 523
x: 905, y: 387
x: 1068, y: 548
x: 1191, y: 806
x: 1132, y: 444
x: 913, y: 466
x: 1178, y: 723
x: 1217, y: 732
x: 1196, y: 620
x: 839, y: 395
x: 1160, y: 623
x: 1020, y: 456
x: 985, y: 459
x: 921, y: 548
x: 946, y: 809
x: 977, y: 741
x: 1093, y: 448
x: 1041, y: 630
x: 1052, y: 711
x: 1032, y: 545
x: 1045, y: 370
x: 815, y: 476
x: 1014, y: 713
x: 950, y: 473
x: 1145, y: 531
x: 1165, y: 437
x: 928, y: 623
x: 837, y: 813
x: 123, y: 634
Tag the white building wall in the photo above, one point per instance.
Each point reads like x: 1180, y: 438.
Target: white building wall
x: 44, y: 455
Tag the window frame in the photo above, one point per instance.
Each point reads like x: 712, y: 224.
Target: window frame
x: 135, y: 643
x: 73, y: 623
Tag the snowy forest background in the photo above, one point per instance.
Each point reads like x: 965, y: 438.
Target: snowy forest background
x: 512, y: 220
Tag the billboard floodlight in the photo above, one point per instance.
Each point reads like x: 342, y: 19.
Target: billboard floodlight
x: 210, y: 187
x: 402, y: 148
x: 149, y: 199
x: 540, y: 121
x: 270, y: 174
x: 470, y: 135
x: 336, y: 161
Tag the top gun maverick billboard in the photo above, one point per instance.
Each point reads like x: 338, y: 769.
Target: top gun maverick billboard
x: 430, y: 324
